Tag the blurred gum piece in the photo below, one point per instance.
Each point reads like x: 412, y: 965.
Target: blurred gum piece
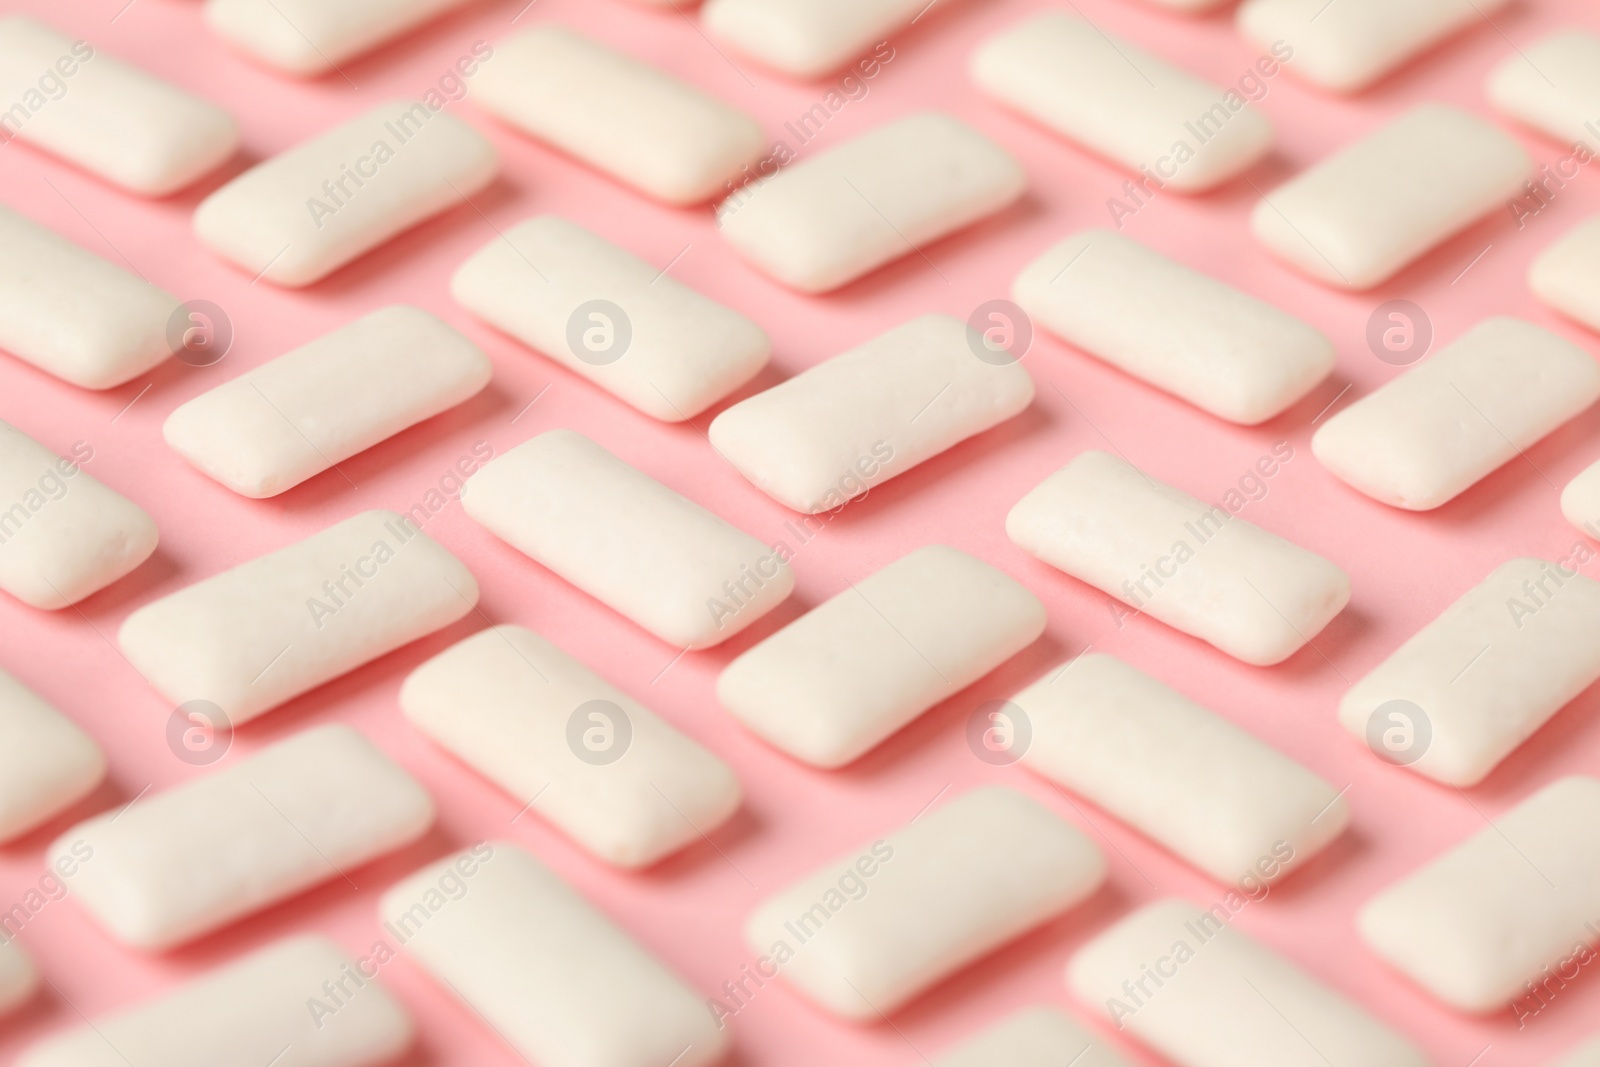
x: 307, y: 38
x: 1566, y: 276
x: 809, y: 38
x: 47, y: 763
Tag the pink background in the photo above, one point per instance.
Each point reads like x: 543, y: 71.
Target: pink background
x: 1405, y: 568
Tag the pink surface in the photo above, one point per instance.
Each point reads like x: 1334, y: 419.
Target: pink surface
x: 1404, y: 567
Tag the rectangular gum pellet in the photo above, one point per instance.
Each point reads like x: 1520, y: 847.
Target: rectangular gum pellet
x: 63, y: 535
x: 110, y: 118
x: 849, y: 673
x: 556, y: 979
x: 605, y: 769
x: 1497, y: 918
x: 1586, y: 1056
x: 299, y: 1002
x: 1566, y: 276
x: 1183, y: 981
x: 1121, y: 102
x: 1550, y: 86
x: 75, y: 315
x: 1345, y: 47
x: 1181, y: 331
x: 827, y: 220
x: 262, y: 633
x: 273, y: 427
x: 658, y: 558
x: 805, y: 39
x: 1580, y: 501
x: 18, y: 978
x: 868, y: 932
x: 664, y: 137
x: 182, y: 863
x: 308, y: 38
x: 308, y: 211
x: 1475, y: 683
x: 46, y: 762
x: 852, y: 422
x: 1194, y: 566
x: 1227, y: 803
x: 1438, y: 429
x: 609, y: 316
x: 1034, y: 1037
x: 1359, y: 216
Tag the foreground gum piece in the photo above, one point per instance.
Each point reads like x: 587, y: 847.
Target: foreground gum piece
x: 647, y: 129
x: 1475, y: 683
x: 307, y: 212
x: 827, y: 220
x: 1552, y: 86
x: 1345, y: 47
x: 250, y: 638
x: 1036, y: 1037
x: 871, y: 930
x: 1202, y: 994
x: 605, y: 769
x: 1497, y: 917
x: 1566, y: 276
x: 259, y: 1009
x: 111, y: 118
x: 809, y: 38
x: 846, y: 675
x: 1194, y: 566
x: 1359, y: 216
x: 1587, y: 1056
x: 1580, y: 501
x: 656, y: 557
x: 47, y: 763
x: 1182, y: 331
x: 1234, y: 807
x: 1121, y: 102
x: 853, y: 422
x: 63, y: 535
x: 75, y: 315
x: 552, y: 976
x: 603, y: 313
x: 182, y: 863
x: 1440, y: 428
x: 273, y: 427
x: 311, y: 37
x: 18, y: 978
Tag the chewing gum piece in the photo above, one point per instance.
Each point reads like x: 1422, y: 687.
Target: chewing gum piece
x: 18, y: 977
x: 1553, y: 86
x: 1580, y: 501
x: 810, y: 38
x: 1566, y: 276
x: 1035, y: 1037
x: 307, y: 38
x: 47, y: 763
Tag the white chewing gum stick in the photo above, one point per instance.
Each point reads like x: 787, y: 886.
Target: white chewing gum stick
x: 1587, y: 1056
x: 658, y: 558
x: 75, y: 315
x: 1359, y: 216
x: 106, y: 116
x: 310, y: 210
x: 807, y: 38
x: 850, y: 423
x: 250, y: 638
x: 605, y: 314
x: 606, y: 770
x: 1181, y: 331
x: 1121, y: 102
x: 869, y: 931
x: 47, y: 763
x: 557, y: 980
x: 1480, y: 679
x: 1236, y: 808
x: 1553, y: 86
x: 1498, y: 916
x: 825, y: 221
x: 307, y: 38
x: 1035, y: 1037
x: 1194, y: 566
x: 849, y: 673
x: 181, y: 863
x: 63, y: 535
x: 273, y: 427
x: 1182, y: 981
x: 1580, y: 501
x: 1422, y: 439
x: 299, y: 1002
x: 1345, y: 47
x: 646, y: 129
x: 1566, y: 276
x: 18, y: 977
